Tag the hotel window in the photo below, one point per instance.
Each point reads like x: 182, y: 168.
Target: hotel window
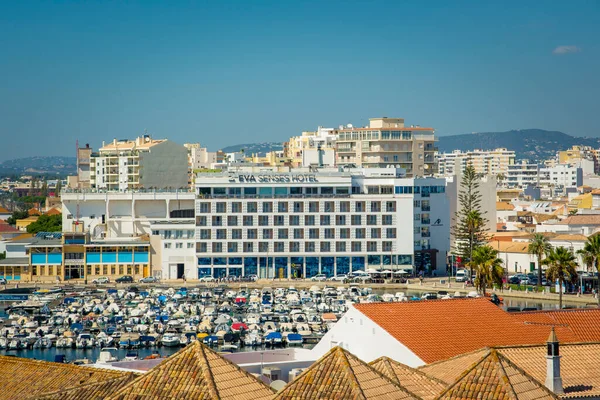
x: 371, y: 219
x: 167, y: 235
x: 425, y: 205
x: 417, y: 203
x: 298, y: 206
x: 344, y: 206
x: 248, y: 220
x: 417, y: 217
x: 178, y: 234
x: 376, y: 233
x: 329, y: 233
x: 201, y: 221
x: 390, y: 233
x: 360, y: 233
x: 345, y: 233
x: 217, y: 221
x: 267, y: 233
x: 217, y: 247
x: 417, y: 230
x: 263, y: 220
x: 325, y: 220
x: 313, y: 233
x: 425, y: 231
x: 356, y: 246
x: 340, y: 220
x: 232, y: 220
x: 278, y: 247
x: 375, y: 206
x: 252, y: 207
x: 282, y: 233
x: 201, y: 247
x: 390, y: 206
x: 355, y: 220
x: 248, y: 247
x: 236, y: 207
x: 232, y: 247
x: 340, y: 246
x: 167, y: 245
x: 190, y: 245
x: 371, y: 247
x: 298, y: 233
x: 309, y: 247
x: 325, y: 246
x: 294, y: 247
x: 327, y: 190
x: 252, y: 234
x: 278, y: 220
x: 221, y: 207
x: 329, y: 206
x: 204, y: 208
x: 282, y: 207
x: 236, y: 233
x: 205, y: 233
x: 309, y: 220
x: 190, y: 234
x: 263, y: 247
x: 96, y: 270
x: 311, y: 190
x: 221, y: 234
x: 386, y: 246
x: 359, y: 206
x: 425, y: 219
x: 267, y: 207
x: 386, y: 220
x: 313, y: 206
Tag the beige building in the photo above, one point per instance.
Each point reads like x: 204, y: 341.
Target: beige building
x: 487, y: 162
x: 200, y: 158
x: 312, y: 148
x: 385, y: 142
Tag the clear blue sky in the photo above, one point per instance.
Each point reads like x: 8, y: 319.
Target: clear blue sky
x: 229, y: 72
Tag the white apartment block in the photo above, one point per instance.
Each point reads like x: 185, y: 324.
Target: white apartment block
x: 299, y: 223
x: 387, y: 142
x: 312, y: 148
x: 486, y: 162
x: 143, y: 163
x: 561, y: 176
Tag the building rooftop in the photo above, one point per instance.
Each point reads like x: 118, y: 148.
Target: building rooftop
x: 14, y: 261
x: 341, y: 375
x: 140, y: 143
x: 91, y: 391
x: 4, y: 210
x: 581, y: 219
x: 584, y: 324
x: 5, y: 228
x: 504, y: 206
x: 509, y: 247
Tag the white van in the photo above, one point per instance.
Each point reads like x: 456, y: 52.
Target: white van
x: 462, y: 275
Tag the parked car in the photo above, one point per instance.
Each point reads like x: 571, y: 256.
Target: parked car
x: 3, y: 281
x: 319, y: 278
x: 206, y: 278
x: 362, y: 278
x: 339, y: 278
x: 149, y: 279
x: 101, y: 281
x: 253, y: 277
x: 125, y: 279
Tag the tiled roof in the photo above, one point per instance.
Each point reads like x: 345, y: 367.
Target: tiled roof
x: 578, y: 366
x: 22, y: 378
x: 435, y: 329
x: 583, y: 324
x: 5, y: 228
x: 450, y: 369
x: 4, y: 210
x: 509, y: 247
x: 568, y: 237
x: 341, y: 375
x: 496, y: 377
x: 34, y: 211
x: 195, y: 372
x: 582, y: 219
x: 53, y: 211
x: 504, y: 206
x: 91, y: 391
x: 413, y: 380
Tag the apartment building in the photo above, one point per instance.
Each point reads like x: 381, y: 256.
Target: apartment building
x: 312, y: 148
x: 143, y: 163
x: 200, y: 158
x: 486, y: 162
x: 387, y: 142
x: 563, y: 178
x: 300, y: 223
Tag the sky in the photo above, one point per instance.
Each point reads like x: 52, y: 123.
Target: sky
x: 231, y: 72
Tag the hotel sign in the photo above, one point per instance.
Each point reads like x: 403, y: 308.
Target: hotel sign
x: 294, y: 178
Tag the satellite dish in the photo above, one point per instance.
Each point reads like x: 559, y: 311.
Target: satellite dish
x: 278, y: 385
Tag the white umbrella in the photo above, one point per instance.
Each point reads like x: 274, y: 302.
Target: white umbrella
x: 372, y: 271
x: 387, y: 271
x: 401, y: 272
x: 360, y: 271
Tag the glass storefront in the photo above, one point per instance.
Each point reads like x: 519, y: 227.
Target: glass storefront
x: 327, y: 266
x: 250, y: 266
x: 358, y: 264
x: 312, y: 266
x: 343, y: 265
x: 281, y: 267
x: 297, y: 267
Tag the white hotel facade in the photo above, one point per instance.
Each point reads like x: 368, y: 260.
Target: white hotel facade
x: 301, y: 223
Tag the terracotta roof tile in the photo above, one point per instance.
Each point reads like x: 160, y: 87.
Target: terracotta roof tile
x: 34, y: 211
x: 91, y: 391
x: 30, y: 378
x: 509, y: 247
x: 4, y: 210
x: 570, y: 237
x: 583, y: 324
x: 53, y: 211
x: 417, y: 325
x: 5, y: 228
x: 413, y: 380
x: 450, y: 369
x: 496, y: 377
x: 195, y: 372
x: 582, y: 219
x: 504, y: 206
x: 341, y: 375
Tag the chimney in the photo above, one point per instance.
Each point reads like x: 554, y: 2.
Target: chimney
x: 553, y: 378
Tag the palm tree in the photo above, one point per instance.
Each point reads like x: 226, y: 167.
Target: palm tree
x: 591, y: 254
x: 538, y: 247
x: 561, y: 266
x: 488, y: 266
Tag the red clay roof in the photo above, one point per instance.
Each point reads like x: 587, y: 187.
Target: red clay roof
x: 439, y: 329
x: 34, y: 211
x: 583, y: 324
x: 53, y: 211
x: 5, y: 228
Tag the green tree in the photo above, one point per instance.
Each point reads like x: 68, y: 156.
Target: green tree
x: 488, y: 266
x: 58, y: 188
x: 46, y: 223
x: 562, y: 265
x: 538, y: 247
x: 469, y: 222
x: 44, y: 189
x: 16, y: 215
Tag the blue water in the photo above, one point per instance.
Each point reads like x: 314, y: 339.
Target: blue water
x: 77, y: 354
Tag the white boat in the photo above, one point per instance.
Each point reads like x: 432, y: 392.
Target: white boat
x: 107, y: 355
x: 170, y: 340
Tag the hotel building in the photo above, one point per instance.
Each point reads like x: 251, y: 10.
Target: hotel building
x: 387, y: 142
x: 300, y: 223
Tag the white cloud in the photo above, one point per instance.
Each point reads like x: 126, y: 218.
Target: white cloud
x: 566, y: 50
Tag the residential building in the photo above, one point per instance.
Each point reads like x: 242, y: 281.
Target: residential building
x: 564, y: 177
x: 583, y: 157
x: 312, y: 148
x: 200, y: 158
x: 84, y: 160
x: 300, y: 223
x: 387, y: 142
x: 173, y: 248
x: 143, y: 163
x: 486, y: 162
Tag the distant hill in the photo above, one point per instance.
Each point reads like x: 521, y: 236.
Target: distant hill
x: 531, y: 144
x: 254, y: 148
x: 59, y: 166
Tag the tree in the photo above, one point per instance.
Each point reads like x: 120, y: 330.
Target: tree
x: 591, y: 254
x: 58, y: 188
x: 488, y: 266
x: 562, y: 265
x: 16, y: 215
x: 44, y: 189
x: 469, y: 222
x: 538, y: 247
x: 46, y: 223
